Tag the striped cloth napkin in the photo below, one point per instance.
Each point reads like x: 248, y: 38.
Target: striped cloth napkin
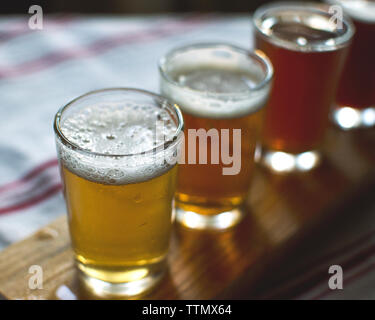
x: 41, y: 70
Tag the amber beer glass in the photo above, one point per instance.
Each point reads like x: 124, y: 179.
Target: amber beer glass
x: 355, y: 99
x: 307, y: 48
x: 220, y: 89
x: 117, y: 154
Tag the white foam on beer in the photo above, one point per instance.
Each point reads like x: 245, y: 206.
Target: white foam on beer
x: 116, y: 129
x: 216, y: 92
x: 362, y: 10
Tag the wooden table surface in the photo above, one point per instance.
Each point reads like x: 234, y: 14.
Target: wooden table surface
x: 283, y: 210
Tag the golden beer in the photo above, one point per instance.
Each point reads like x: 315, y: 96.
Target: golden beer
x: 111, y: 245
x: 119, y: 177
x: 221, y: 90
x: 202, y: 187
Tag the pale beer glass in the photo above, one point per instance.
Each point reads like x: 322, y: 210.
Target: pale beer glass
x: 117, y: 154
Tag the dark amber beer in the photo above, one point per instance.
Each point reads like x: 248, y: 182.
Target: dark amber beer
x: 221, y: 90
x: 119, y: 177
x: 355, y: 100
x: 307, y: 50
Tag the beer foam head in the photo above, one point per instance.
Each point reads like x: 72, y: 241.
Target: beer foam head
x: 114, y: 143
x: 302, y: 27
x: 215, y: 83
x: 118, y: 129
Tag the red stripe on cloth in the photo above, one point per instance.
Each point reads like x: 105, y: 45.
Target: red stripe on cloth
x: 23, y: 28
x: 34, y: 172
x: 30, y: 202
x: 98, y: 47
x: 348, y: 280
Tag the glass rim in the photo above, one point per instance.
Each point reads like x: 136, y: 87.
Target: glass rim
x: 340, y: 41
x: 163, y: 146
x: 257, y: 55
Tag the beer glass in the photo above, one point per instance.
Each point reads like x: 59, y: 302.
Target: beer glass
x: 221, y: 90
x: 307, y: 48
x: 355, y: 99
x: 117, y: 154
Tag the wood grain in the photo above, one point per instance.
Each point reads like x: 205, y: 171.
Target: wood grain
x: 282, y: 210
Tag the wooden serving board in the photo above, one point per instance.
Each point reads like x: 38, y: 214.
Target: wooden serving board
x: 283, y: 209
